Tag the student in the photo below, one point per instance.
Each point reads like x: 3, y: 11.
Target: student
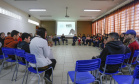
x: 113, y: 46
x: 88, y: 39
x: 83, y: 39
x: 63, y: 38
x: 55, y: 39
x: 11, y: 42
x: 25, y: 42
x: 8, y: 34
x: 74, y: 39
x: 2, y: 38
x: 122, y: 37
x: 133, y: 45
x: 39, y: 47
x: 79, y: 39
x: 20, y: 37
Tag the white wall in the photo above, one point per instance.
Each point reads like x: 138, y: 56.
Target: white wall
x: 7, y: 23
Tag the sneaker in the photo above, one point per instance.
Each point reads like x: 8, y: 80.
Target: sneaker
x: 47, y: 80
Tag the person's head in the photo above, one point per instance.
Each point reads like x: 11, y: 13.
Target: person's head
x: 42, y: 32
x: 31, y: 34
x: 62, y: 34
x: 105, y: 40
x: 20, y: 34
x: 26, y: 37
x: 122, y: 35
x: 8, y: 34
x: 2, y: 35
x: 88, y: 35
x: 131, y: 34
x: 55, y: 34
x: 113, y: 37
x: 15, y: 34
x: 83, y: 34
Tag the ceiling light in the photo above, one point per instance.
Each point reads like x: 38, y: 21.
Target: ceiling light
x: 37, y: 9
x: 91, y: 10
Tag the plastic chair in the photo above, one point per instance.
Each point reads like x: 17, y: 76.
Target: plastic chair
x: 112, y: 60
x: 20, y: 54
x: 6, y: 52
x: 126, y: 64
x: 128, y: 79
x: 136, y: 54
x: 81, y: 75
x: 31, y: 59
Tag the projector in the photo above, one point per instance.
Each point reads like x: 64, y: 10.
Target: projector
x: 67, y: 16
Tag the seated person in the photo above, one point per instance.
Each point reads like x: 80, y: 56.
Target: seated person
x: 63, y: 38
x: 11, y: 42
x: 88, y: 39
x: 24, y: 44
x: 20, y: 37
x: 83, y: 39
x: 39, y: 47
x: 113, y: 46
x: 79, y: 40
x: 74, y: 39
x: 133, y: 45
x: 55, y: 39
x: 8, y: 34
x: 122, y: 37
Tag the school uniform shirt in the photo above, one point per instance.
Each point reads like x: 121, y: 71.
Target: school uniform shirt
x: 39, y: 47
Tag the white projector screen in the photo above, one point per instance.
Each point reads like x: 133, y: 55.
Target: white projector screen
x: 66, y: 28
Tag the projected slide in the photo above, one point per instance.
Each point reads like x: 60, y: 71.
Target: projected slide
x: 66, y: 28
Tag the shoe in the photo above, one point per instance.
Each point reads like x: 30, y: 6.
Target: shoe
x: 47, y: 80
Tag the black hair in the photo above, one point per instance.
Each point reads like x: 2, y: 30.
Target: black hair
x: 14, y: 32
x: 106, y: 38
x: 8, y: 33
x: 25, y: 35
x: 114, y: 35
x: 41, y: 32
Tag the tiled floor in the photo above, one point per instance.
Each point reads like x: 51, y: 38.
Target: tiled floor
x: 66, y: 56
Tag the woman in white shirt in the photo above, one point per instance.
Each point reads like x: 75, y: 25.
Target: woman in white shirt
x: 39, y: 47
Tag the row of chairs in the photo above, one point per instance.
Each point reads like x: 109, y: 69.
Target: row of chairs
x: 29, y: 58
x: 81, y: 75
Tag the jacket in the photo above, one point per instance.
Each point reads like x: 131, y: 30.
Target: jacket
x: 10, y: 42
x: 113, y: 47
x: 23, y: 45
x: 39, y: 47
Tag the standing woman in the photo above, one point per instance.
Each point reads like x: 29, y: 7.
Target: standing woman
x: 39, y: 47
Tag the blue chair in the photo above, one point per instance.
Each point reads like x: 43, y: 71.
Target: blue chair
x: 112, y: 60
x: 20, y: 54
x: 31, y: 59
x: 81, y: 75
x: 128, y: 79
x: 126, y: 64
x: 6, y: 52
x: 136, y: 55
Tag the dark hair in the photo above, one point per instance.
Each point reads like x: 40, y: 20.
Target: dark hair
x: 8, y: 33
x: 41, y: 32
x: 106, y: 38
x: 114, y: 35
x: 14, y: 32
x: 25, y: 35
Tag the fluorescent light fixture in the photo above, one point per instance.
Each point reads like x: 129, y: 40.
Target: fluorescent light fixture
x: 37, y: 9
x: 91, y: 10
x: 33, y: 22
x: 8, y: 13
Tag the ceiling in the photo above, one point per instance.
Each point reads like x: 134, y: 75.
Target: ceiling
x: 56, y: 9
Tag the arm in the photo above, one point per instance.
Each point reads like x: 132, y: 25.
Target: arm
x: 46, y: 49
